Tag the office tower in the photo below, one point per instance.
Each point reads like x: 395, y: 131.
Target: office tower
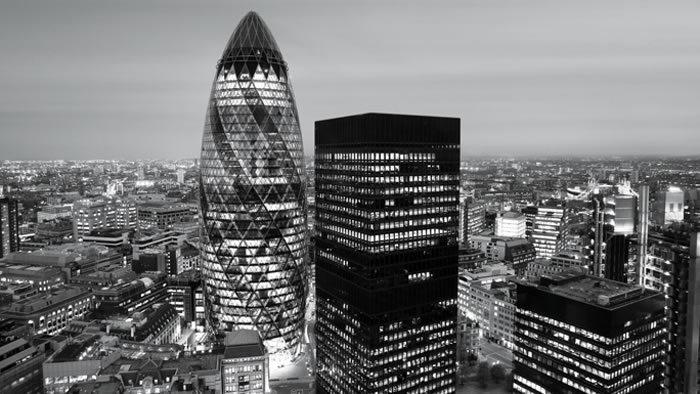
x: 642, y: 232
x: 9, y: 226
x: 615, y: 223
x: 669, y: 206
x: 473, y: 218
x: 510, y: 224
x: 576, y: 333
x: 253, y: 194
x: 673, y: 267
x: 530, y: 212
x: 180, y: 175
x: 387, y: 191
x: 548, y: 230
x: 140, y: 173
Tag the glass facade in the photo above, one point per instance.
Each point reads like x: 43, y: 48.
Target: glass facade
x: 253, y: 193
x: 387, y: 189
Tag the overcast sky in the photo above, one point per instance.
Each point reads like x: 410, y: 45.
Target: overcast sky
x: 131, y: 78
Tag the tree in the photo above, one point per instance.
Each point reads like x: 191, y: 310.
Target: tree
x: 498, y: 372
x: 472, y: 358
x: 482, y: 374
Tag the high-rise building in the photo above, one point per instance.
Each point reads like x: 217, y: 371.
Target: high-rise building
x: 253, y: 194
x: 387, y: 190
x: 180, y: 175
x: 672, y: 266
x: 576, y: 333
x: 548, y: 230
x: 510, y: 224
x: 9, y: 226
x: 473, y: 218
x: 669, y: 206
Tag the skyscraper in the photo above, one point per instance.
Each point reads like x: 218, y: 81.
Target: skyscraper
x: 669, y: 206
x: 576, y: 333
x: 9, y: 226
x: 672, y: 266
x: 387, y: 190
x: 253, y: 193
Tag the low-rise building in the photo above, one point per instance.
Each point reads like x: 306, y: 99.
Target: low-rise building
x: 78, y: 361
x: 127, y: 297
x: 50, y: 312
x: 20, y: 366
x: 488, y: 297
x: 157, y: 325
x: 162, y: 215
x: 515, y: 251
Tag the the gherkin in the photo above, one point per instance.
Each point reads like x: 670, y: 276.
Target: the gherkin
x: 253, y: 193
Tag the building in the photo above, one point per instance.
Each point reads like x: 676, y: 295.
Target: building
x: 672, y: 266
x: 548, y: 230
x: 245, y: 364
x: 615, y: 224
x: 488, y: 297
x: 471, y: 259
x: 467, y: 338
x: 387, y: 189
x: 9, y: 226
x: 162, y: 215
x: 164, y: 259
x: 72, y: 259
x: 180, y: 175
x: 555, y: 266
x: 510, y: 224
x: 182, y: 290
x: 127, y: 297
x: 54, y: 212
x: 20, y: 366
x: 158, y: 324
x: 112, y: 238
x: 55, y: 231
x: 78, y: 361
x: 103, y: 213
x: 669, y: 206
x: 473, y: 218
x: 41, y: 278
x: 253, y: 194
x: 585, y: 334
x: 50, y: 312
x: 146, y: 241
x: 517, y: 252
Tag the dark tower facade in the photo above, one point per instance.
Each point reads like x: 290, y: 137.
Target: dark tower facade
x: 583, y: 334
x: 253, y: 193
x: 9, y: 226
x: 387, y: 190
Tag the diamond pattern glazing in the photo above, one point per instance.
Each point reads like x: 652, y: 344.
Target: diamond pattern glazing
x: 253, y: 192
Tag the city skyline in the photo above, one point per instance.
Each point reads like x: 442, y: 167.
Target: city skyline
x: 526, y: 79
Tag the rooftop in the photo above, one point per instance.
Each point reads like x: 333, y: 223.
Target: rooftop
x: 592, y: 290
x: 243, y: 343
x: 45, y: 300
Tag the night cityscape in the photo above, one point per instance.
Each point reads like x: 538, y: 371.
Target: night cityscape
x: 388, y: 223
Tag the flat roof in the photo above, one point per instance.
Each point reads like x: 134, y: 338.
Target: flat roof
x: 590, y: 289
